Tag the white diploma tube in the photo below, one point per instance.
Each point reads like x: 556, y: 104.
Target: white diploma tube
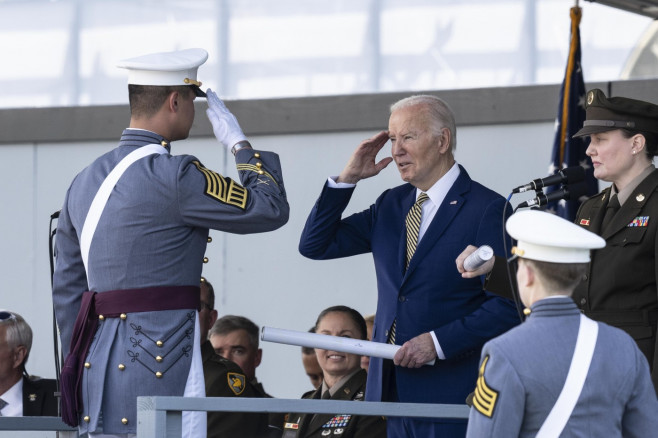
x: 332, y: 343
x: 478, y: 258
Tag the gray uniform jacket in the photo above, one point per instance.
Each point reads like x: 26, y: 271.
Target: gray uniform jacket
x: 523, y: 371
x: 153, y: 232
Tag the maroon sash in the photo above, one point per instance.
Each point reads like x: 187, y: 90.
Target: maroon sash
x: 111, y: 304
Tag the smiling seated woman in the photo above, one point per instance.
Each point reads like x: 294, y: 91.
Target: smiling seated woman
x: 343, y: 380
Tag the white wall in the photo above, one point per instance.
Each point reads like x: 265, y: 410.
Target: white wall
x: 260, y: 276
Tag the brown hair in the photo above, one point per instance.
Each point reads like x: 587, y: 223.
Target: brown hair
x: 650, y: 138
x: 559, y: 276
x: 146, y: 100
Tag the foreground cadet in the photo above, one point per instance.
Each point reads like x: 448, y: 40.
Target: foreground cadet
x: 134, y: 235
x: 560, y: 373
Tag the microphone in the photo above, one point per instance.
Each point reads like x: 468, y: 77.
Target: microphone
x: 568, y: 192
x: 568, y: 175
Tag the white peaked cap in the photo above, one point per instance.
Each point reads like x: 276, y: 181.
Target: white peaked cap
x: 165, y: 68
x: 549, y: 238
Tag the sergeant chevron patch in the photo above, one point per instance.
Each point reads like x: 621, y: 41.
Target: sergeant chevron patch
x: 485, y: 397
x: 223, y: 189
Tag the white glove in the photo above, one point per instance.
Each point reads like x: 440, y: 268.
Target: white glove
x: 224, y: 124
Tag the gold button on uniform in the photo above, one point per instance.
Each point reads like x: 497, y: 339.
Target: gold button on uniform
x: 123, y: 316
x: 124, y: 420
x: 158, y: 374
x: 260, y: 172
x: 205, y: 260
x: 158, y: 358
x: 86, y: 418
x: 87, y: 365
x: 159, y: 343
x: 122, y: 367
x: 259, y: 164
x: 209, y: 239
x: 101, y: 317
x: 257, y: 155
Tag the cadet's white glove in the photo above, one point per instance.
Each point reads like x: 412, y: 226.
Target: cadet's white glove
x: 224, y: 124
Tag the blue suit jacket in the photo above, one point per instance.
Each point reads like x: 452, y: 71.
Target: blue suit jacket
x: 431, y: 295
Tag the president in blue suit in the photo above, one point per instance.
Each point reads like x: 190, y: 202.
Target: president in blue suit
x: 415, y: 232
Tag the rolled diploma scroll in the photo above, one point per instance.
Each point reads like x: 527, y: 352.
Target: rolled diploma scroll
x: 333, y: 343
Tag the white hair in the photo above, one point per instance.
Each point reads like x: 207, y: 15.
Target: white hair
x: 440, y: 113
x: 18, y: 333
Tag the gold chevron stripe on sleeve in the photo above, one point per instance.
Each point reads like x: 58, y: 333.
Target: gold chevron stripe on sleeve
x: 223, y: 189
x: 485, y: 397
x: 259, y: 170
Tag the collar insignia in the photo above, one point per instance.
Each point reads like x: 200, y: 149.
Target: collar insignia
x: 640, y: 197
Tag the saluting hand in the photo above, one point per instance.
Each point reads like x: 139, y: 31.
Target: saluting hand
x: 224, y: 124
x: 362, y: 162
x: 416, y: 352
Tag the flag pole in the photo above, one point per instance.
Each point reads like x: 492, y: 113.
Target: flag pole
x: 576, y: 15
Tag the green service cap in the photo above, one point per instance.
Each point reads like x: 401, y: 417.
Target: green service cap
x: 605, y: 114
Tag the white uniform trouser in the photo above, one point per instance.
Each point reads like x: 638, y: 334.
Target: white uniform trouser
x: 194, y: 423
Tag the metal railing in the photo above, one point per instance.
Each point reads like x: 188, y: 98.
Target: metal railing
x: 41, y: 424
x: 160, y: 417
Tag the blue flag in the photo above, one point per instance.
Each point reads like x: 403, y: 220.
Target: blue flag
x: 568, y: 151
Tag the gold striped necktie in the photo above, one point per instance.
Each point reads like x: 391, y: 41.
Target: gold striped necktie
x: 413, y: 227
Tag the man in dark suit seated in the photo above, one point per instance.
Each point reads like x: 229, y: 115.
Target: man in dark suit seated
x: 415, y: 232
x: 21, y: 395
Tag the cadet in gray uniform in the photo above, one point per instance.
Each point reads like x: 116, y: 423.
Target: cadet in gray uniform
x: 519, y: 391
x: 137, y: 332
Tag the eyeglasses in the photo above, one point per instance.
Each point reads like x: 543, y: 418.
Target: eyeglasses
x: 4, y: 316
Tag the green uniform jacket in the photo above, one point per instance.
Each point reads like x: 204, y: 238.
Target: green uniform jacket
x: 620, y: 288
x: 225, y: 379
x: 340, y: 425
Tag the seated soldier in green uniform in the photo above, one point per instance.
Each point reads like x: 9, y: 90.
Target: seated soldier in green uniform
x: 225, y: 378
x: 343, y: 380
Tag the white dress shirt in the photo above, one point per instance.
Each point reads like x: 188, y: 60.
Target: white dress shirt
x: 14, y: 399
